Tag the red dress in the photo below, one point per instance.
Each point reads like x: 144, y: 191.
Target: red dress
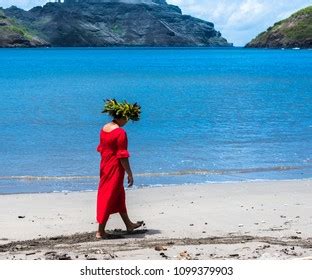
x: 111, y: 193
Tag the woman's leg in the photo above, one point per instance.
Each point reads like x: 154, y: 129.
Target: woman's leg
x: 101, y: 231
x: 129, y: 225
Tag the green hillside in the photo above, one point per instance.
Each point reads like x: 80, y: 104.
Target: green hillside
x: 13, y: 34
x: 295, y: 31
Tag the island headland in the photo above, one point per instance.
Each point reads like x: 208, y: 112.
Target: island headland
x: 293, y: 32
x: 105, y: 23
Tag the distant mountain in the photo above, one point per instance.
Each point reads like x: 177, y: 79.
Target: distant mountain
x: 13, y: 34
x: 100, y: 23
x: 295, y: 31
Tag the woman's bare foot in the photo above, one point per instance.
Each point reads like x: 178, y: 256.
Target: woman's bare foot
x: 131, y: 227
x: 100, y: 235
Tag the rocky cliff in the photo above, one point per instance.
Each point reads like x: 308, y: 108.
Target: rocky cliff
x: 14, y: 35
x: 117, y: 24
x: 293, y: 32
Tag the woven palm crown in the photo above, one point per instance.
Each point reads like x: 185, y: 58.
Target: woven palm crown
x: 122, y: 109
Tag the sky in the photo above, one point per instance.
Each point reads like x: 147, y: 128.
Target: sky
x: 239, y: 21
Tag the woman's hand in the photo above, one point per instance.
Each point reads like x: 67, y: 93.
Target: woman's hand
x: 130, y: 180
x: 126, y: 165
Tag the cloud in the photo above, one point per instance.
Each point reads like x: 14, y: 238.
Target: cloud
x: 249, y: 13
x: 238, y: 20
x: 24, y: 4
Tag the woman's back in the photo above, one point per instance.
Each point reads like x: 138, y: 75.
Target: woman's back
x: 113, y: 142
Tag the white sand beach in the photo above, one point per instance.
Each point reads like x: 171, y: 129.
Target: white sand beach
x: 244, y: 220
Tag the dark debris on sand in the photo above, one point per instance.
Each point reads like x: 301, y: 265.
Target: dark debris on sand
x: 86, y: 246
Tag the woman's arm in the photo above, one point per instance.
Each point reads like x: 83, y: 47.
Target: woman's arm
x: 126, y: 165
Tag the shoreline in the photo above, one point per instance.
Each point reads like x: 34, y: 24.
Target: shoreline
x: 156, y: 47
x: 216, y: 220
x: 165, y: 186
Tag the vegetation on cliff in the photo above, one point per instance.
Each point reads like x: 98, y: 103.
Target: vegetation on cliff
x: 13, y: 34
x: 295, y: 31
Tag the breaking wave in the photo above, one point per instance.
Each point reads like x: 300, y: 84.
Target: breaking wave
x: 161, y: 174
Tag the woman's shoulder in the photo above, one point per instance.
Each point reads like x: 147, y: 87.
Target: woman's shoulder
x: 118, y: 130
x: 109, y: 128
x: 121, y: 131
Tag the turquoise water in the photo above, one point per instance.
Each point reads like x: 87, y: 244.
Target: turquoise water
x: 209, y: 115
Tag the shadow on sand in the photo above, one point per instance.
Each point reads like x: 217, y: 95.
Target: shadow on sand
x: 139, y: 233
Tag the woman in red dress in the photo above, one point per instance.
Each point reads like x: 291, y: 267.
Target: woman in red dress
x: 114, y: 164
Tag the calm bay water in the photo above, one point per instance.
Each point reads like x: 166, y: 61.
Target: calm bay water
x: 208, y: 115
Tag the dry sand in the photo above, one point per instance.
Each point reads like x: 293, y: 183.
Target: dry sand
x: 250, y: 220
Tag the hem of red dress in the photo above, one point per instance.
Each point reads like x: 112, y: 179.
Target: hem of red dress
x: 111, y: 213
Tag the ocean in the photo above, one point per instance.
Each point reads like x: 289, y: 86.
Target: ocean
x: 208, y: 115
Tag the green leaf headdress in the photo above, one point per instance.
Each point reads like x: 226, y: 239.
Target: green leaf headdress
x: 122, y: 109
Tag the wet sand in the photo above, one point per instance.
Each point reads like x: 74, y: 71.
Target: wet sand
x: 251, y: 220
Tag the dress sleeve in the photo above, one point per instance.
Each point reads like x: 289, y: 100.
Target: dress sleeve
x: 99, y: 148
x: 122, y: 145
